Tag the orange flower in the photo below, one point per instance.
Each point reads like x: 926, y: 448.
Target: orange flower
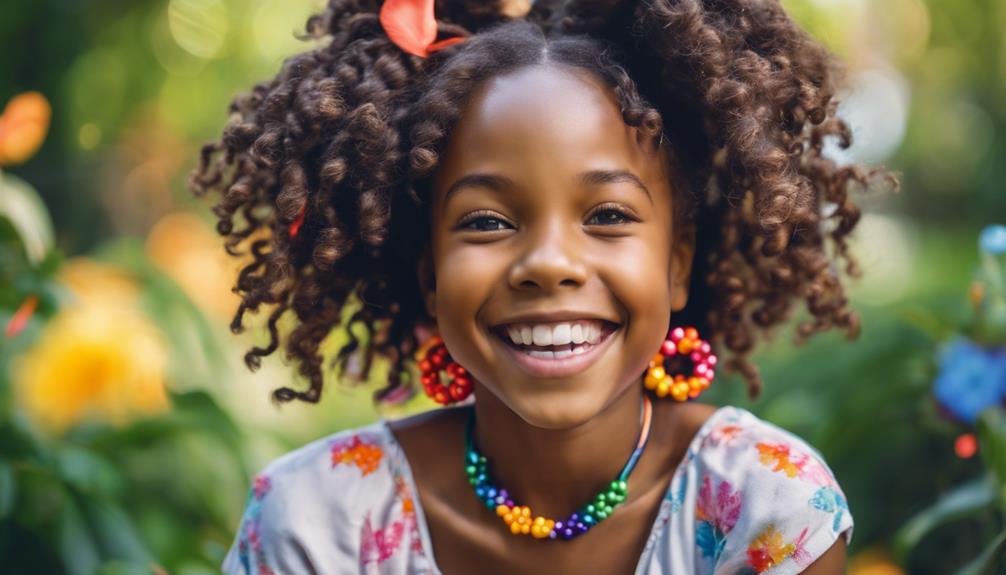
x: 768, y: 550
x: 23, y: 126
x: 364, y: 455
x: 778, y: 454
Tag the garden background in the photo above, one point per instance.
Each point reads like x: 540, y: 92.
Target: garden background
x: 130, y: 429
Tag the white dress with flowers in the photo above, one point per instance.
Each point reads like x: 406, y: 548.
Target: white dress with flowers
x: 748, y: 497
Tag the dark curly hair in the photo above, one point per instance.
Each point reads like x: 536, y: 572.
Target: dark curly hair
x: 347, y: 136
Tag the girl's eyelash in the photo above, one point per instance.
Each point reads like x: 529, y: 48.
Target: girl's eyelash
x: 479, y: 215
x: 614, y: 208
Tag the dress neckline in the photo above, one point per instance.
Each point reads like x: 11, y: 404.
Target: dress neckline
x: 401, y: 462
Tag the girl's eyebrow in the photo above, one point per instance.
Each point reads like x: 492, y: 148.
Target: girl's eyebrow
x: 497, y: 182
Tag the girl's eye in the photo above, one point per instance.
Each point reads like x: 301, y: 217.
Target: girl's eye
x: 483, y: 223
x: 609, y: 216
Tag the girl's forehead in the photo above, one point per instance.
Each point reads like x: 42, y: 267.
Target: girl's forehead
x: 549, y: 117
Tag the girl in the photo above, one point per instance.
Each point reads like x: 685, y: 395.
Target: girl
x: 550, y: 220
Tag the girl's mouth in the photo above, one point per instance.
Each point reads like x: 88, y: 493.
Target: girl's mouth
x: 557, y: 349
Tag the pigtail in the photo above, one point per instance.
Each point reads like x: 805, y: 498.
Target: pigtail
x: 305, y: 169
x: 748, y: 98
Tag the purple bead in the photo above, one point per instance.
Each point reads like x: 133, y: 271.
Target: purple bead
x: 567, y: 534
x: 573, y: 518
x: 558, y: 526
x: 553, y: 535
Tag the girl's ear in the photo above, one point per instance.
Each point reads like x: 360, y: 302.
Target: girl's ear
x: 427, y: 282
x: 682, y: 254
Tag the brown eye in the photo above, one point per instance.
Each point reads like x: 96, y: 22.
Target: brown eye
x: 609, y: 216
x: 483, y: 223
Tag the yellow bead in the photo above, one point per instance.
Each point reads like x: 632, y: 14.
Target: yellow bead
x: 540, y: 533
x: 691, y: 333
x: 525, y: 511
x: 508, y: 518
x: 685, y: 346
x: 651, y: 382
x: 502, y: 510
x: 657, y: 373
x: 657, y: 360
x: 664, y: 387
x: 515, y: 528
x: 539, y: 520
x: 525, y: 529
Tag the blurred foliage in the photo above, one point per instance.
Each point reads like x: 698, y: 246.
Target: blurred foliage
x: 128, y: 91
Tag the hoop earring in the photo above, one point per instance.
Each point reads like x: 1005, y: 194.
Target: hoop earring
x: 682, y: 342
x: 434, y: 359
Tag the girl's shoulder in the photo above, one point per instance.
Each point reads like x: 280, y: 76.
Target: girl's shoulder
x: 751, y: 496
x: 337, y: 503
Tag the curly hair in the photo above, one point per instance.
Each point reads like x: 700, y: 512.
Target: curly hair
x: 345, y: 138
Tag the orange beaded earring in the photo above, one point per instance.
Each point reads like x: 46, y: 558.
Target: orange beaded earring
x: 433, y: 360
x: 682, y: 342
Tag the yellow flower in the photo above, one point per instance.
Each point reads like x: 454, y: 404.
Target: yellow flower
x: 23, y: 126
x: 874, y: 561
x: 98, y: 359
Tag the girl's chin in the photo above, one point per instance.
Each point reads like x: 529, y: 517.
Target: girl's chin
x: 555, y: 408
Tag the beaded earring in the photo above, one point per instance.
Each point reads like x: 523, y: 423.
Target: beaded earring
x: 433, y: 361
x: 682, y: 342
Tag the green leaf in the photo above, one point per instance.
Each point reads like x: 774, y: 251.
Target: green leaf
x: 992, y: 441
x: 8, y: 489
x: 994, y: 555
x: 961, y: 502
x: 21, y: 205
x: 115, y: 531
x: 88, y: 472
x: 76, y: 545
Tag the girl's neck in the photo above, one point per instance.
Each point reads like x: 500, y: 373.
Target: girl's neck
x: 554, y: 472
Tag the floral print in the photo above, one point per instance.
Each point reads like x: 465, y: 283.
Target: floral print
x: 363, y: 453
x: 746, y: 498
x: 250, y: 541
x: 716, y: 512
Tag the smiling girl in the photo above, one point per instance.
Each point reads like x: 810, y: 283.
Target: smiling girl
x: 551, y: 223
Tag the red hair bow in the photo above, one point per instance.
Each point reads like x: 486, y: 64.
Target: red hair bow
x: 412, y: 26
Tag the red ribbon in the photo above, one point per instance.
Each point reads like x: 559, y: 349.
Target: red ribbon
x: 412, y: 26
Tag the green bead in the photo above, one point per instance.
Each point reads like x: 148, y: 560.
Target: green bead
x: 470, y: 469
x: 601, y: 497
x: 608, y: 510
x: 590, y: 508
x: 623, y: 486
x: 601, y: 515
x: 482, y: 459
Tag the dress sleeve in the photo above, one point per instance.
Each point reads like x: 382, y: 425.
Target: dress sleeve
x: 265, y: 543
x: 772, y: 504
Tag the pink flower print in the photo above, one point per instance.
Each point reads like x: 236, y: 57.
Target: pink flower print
x: 377, y: 545
x: 721, y: 508
x: 409, y: 514
x: 365, y: 454
x: 717, y: 513
x: 261, y: 487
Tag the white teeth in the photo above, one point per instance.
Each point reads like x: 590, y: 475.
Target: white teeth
x: 514, y: 333
x: 557, y: 334
x: 561, y: 334
x: 542, y: 335
x: 541, y: 354
x: 576, y: 334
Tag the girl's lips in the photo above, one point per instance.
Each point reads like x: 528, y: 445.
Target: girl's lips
x: 556, y: 368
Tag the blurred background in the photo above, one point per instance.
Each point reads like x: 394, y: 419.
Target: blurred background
x: 130, y: 429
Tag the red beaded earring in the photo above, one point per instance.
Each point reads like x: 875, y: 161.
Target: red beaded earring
x: 682, y: 342
x: 433, y: 360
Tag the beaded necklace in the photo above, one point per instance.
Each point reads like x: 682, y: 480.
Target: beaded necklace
x: 518, y: 517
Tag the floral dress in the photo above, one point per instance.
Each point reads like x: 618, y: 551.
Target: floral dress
x: 748, y: 497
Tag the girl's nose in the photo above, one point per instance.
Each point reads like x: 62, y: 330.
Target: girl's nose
x: 549, y: 261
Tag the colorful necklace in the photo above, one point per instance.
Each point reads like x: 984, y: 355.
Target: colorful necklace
x: 519, y: 518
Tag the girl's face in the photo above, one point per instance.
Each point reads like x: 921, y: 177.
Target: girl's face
x: 555, y: 260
